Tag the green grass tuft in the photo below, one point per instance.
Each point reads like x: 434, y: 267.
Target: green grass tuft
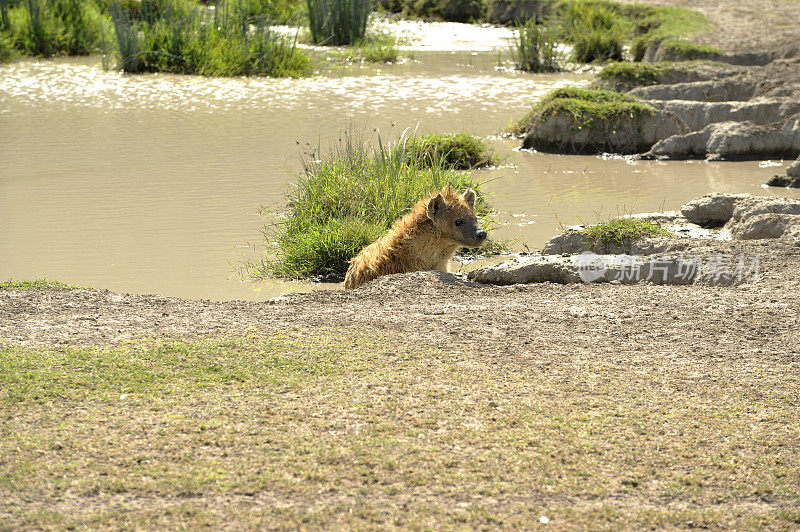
x: 38, y: 284
x: 322, y: 248
x: 682, y: 50
x: 457, y: 151
x: 276, y: 11
x: 349, y: 197
x: 449, y: 10
x: 657, y: 24
x: 636, y: 73
x: 374, y: 48
x: 622, y: 230
x: 595, y: 28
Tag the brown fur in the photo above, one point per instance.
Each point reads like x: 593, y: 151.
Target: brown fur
x: 424, y: 239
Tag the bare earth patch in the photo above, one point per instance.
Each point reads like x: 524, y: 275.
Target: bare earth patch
x: 417, y: 401
x: 746, y: 25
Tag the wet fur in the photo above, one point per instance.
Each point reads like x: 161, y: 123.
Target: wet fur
x: 415, y: 242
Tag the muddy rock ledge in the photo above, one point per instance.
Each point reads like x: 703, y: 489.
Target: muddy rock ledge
x: 675, y: 260
x: 790, y: 180
x: 685, y: 110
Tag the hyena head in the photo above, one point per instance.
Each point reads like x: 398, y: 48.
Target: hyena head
x: 454, y: 215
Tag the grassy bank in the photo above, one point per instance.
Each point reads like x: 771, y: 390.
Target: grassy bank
x: 350, y: 196
x: 338, y: 431
x: 586, y: 107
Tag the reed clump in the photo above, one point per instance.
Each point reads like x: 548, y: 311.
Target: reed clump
x: 338, y: 22
x: 535, y: 47
x: 181, y: 37
x: 47, y: 28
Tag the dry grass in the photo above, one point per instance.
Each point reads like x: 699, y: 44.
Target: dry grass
x: 353, y: 432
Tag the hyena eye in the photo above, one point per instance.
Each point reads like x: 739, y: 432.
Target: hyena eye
x: 459, y: 222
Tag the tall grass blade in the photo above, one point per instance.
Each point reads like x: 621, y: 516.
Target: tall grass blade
x: 535, y: 47
x: 338, y: 22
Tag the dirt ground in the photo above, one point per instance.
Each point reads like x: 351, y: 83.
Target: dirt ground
x: 440, y: 311
x: 744, y: 26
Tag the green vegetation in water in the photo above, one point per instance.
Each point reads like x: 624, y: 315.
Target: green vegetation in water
x: 348, y: 198
x: 47, y: 28
x: 622, y: 230
x: 374, y: 48
x: 37, y: 284
x: 456, y: 151
x: 181, y: 37
x: 587, y: 107
x: 535, y: 47
x: 338, y: 22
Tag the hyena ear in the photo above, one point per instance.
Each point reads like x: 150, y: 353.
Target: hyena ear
x: 469, y: 197
x: 436, y: 206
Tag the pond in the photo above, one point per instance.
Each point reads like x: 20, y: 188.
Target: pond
x: 156, y: 183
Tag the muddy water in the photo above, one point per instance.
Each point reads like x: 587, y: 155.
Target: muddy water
x: 153, y: 184
x: 544, y: 192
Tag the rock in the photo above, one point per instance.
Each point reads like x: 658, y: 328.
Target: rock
x: 669, y: 74
x: 633, y: 133
x: 783, y: 181
x: 762, y: 226
x: 791, y: 235
x: 661, y: 218
x: 574, y: 242
x: 698, y: 114
x: 592, y: 268
x: 712, y: 210
x: 752, y: 206
x: 733, y: 140
x: 663, y: 51
x: 794, y: 169
x: 791, y: 179
x: 704, y: 91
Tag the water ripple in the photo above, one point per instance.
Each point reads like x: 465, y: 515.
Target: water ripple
x: 33, y: 83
